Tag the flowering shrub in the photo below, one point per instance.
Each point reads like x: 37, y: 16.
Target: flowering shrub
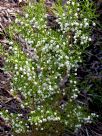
x: 44, y: 62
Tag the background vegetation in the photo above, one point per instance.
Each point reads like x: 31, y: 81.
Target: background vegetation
x: 45, y: 60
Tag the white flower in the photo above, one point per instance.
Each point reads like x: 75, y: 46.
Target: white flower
x: 63, y: 14
x: 86, y: 24
x: 76, y: 14
x: 22, y: 23
x: 44, y: 120
x: 11, y: 42
x: 10, y: 47
x: 21, y: 69
x: 42, y: 128
x: 85, y: 19
x: 90, y: 39
x: 68, y: 2
x: 73, y: 3
x: 78, y: 125
x: 81, y: 25
x: 78, y: 9
x: 94, y: 24
x: 57, y: 46
x: 66, y: 25
x: 16, y: 20
x: 29, y: 78
x: 40, y: 121
x: 74, y: 96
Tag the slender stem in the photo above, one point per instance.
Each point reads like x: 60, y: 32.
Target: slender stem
x: 33, y: 132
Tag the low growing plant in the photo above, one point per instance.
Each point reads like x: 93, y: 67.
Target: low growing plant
x: 44, y: 61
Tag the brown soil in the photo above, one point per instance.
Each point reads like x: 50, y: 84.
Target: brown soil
x: 8, y: 10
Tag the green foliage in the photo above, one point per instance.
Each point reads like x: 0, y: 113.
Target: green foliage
x: 41, y: 60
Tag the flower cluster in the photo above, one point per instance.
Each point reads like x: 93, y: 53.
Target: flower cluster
x: 45, y: 80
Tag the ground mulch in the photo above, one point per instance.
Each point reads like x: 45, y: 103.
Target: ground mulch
x: 8, y: 11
